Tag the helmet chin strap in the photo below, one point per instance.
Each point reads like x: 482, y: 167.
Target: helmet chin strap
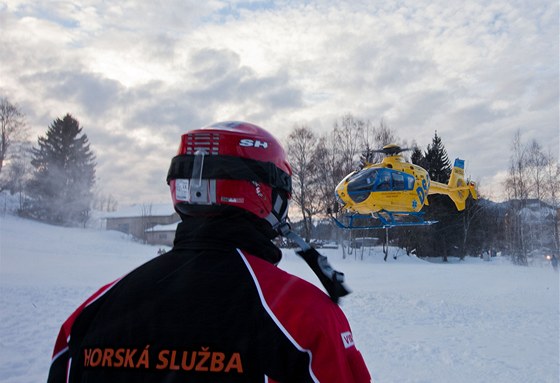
x: 279, y: 211
x: 332, y: 280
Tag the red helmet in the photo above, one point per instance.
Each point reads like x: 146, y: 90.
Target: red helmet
x: 231, y: 164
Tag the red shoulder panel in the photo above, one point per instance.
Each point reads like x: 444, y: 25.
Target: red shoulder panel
x: 312, y: 322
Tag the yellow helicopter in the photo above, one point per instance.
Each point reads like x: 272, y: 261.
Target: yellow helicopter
x: 394, y: 191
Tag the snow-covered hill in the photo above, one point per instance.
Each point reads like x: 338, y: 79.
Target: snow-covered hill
x: 414, y: 321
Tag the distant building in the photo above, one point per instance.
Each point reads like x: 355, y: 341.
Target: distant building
x: 154, y: 223
x: 161, y: 234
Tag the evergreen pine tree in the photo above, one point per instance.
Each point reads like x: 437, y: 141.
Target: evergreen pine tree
x: 439, y: 239
x: 417, y: 157
x: 444, y: 238
x: 437, y: 162
x: 61, y: 188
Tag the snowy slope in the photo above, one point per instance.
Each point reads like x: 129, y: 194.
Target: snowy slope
x: 414, y: 321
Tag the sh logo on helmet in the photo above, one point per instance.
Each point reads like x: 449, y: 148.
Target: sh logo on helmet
x: 247, y: 142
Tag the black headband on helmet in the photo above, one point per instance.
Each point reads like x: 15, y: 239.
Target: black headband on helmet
x: 231, y: 168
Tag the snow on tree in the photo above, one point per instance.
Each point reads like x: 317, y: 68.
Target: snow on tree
x: 60, y: 190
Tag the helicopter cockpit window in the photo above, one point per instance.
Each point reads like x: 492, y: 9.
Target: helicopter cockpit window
x: 361, y: 184
x: 384, y: 180
x: 402, y: 181
x: 409, y: 182
x: 398, y: 181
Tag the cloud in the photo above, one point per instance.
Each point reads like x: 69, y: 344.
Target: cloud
x: 138, y: 74
x: 93, y: 92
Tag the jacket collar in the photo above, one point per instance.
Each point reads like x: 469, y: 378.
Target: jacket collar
x: 227, y: 232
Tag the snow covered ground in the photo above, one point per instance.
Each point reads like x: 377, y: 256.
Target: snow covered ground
x: 414, y: 321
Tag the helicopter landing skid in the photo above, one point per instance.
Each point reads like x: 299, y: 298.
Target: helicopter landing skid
x: 383, y: 220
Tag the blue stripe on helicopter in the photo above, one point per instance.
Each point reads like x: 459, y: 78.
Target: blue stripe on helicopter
x: 459, y: 163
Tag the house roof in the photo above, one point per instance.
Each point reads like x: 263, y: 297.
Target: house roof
x: 139, y: 210
x: 171, y: 227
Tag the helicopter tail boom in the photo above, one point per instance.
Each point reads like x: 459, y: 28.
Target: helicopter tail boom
x: 457, y: 188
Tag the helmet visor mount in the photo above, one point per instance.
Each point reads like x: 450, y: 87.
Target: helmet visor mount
x: 196, y: 178
x: 195, y: 189
x: 199, y: 167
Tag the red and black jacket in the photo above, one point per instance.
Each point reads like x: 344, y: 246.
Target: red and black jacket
x: 213, y: 309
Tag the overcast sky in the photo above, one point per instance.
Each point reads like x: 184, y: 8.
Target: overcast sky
x: 137, y: 74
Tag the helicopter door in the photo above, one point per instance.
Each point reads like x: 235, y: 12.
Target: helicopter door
x: 402, y: 181
x: 383, y: 180
x: 389, y: 180
x: 398, y: 181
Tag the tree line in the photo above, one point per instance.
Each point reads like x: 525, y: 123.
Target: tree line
x: 55, y: 182
x: 526, y: 223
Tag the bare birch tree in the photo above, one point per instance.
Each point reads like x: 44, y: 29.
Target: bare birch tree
x: 376, y: 137
x: 302, y: 146
x: 349, y: 134
x: 12, y: 127
x: 516, y: 183
x: 536, y: 169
